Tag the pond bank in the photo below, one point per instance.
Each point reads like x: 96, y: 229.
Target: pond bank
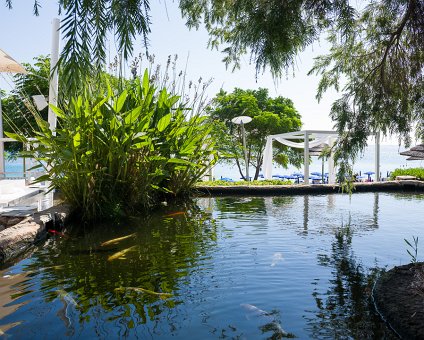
x: 402, y: 185
x: 399, y: 298
x: 16, y: 239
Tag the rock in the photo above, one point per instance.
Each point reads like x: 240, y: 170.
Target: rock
x: 399, y: 298
x: 16, y: 239
x: 14, y: 220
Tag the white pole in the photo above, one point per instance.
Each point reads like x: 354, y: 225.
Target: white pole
x: 2, y: 174
x: 331, y: 174
x: 377, y: 156
x: 245, y: 151
x: 306, y: 160
x: 54, y: 80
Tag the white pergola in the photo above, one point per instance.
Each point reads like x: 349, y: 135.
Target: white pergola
x: 311, y: 138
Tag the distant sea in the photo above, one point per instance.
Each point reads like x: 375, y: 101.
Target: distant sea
x: 389, y: 161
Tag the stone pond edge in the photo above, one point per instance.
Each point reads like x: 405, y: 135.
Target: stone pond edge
x: 20, y: 237
x: 401, y: 185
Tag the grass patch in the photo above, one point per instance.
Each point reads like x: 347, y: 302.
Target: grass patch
x: 239, y: 183
x: 416, y: 172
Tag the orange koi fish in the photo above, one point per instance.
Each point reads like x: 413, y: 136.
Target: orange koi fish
x: 176, y: 214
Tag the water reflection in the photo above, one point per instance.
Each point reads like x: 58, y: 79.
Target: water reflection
x: 241, y: 205
x: 305, y: 214
x: 87, y: 285
x: 375, y: 210
x: 345, y: 309
x: 190, y: 272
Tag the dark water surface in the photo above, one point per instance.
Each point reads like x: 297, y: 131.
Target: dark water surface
x: 236, y: 268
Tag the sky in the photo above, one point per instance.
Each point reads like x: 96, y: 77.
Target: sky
x: 29, y: 36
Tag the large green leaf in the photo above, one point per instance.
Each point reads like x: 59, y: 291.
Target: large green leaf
x: 164, y: 122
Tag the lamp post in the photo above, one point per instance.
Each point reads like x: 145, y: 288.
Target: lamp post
x: 241, y: 120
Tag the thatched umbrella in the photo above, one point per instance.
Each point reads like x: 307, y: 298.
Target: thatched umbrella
x: 415, y: 153
x: 419, y: 147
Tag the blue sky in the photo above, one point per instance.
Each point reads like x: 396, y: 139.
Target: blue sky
x: 25, y: 36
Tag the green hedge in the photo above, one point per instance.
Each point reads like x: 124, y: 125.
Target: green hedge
x: 416, y: 172
x: 226, y: 183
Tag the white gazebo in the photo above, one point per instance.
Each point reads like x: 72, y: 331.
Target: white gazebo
x: 311, y: 139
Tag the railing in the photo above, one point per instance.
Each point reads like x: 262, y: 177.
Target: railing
x: 27, y: 163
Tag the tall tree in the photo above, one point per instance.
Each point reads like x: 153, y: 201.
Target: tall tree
x: 378, y: 49
x: 380, y: 61
x: 269, y: 116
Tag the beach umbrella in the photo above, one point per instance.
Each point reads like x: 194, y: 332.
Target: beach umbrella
x: 316, y: 174
x: 415, y: 158
x: 369, y: 173
x: 297, y: 174
x: 419, y: 148
x: 315, y: 178
x: 7, y: 65
x: 414, y: 154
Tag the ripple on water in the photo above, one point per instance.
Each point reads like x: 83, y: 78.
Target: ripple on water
x: 303, y: 263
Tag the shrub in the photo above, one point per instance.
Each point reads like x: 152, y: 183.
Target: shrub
x: 121, y: 150
x: 416, y: 172
x: 238, y: 183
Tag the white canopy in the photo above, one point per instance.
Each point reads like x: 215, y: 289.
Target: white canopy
x: 311, y: 138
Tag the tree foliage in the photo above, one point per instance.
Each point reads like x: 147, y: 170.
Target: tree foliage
x: 376, y: 58
x: 273, y: 31
x: 18, y: 107
x: 378, y: 66
x: 377, y: 50
x: 85, y: 28
x: 269, y: 116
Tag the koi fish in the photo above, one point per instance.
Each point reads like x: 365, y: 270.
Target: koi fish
x: 68, y: 301
x: 277, y: 257
x: 121, y: 253
x: 176, y: 214
x: 146, y: 291
x: 55, y: 232
x: 117, y: 240
x: 270, y: 324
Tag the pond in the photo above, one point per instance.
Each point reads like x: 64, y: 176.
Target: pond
x: 232, y: 267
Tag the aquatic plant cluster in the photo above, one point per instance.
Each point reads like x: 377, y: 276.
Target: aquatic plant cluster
x: 122, y: 146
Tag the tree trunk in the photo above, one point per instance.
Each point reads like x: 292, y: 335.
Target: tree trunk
x: 258, y: 166
x: 239, y: 168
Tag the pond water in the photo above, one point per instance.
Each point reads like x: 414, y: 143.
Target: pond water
x: 232, y: 267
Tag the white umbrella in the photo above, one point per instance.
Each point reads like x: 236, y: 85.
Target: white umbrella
x: 10, y: 65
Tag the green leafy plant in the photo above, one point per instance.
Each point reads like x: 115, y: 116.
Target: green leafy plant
x: 413, y: 253
x: 416, y: 172
x: 238, y: 183
x: 122, y: 150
